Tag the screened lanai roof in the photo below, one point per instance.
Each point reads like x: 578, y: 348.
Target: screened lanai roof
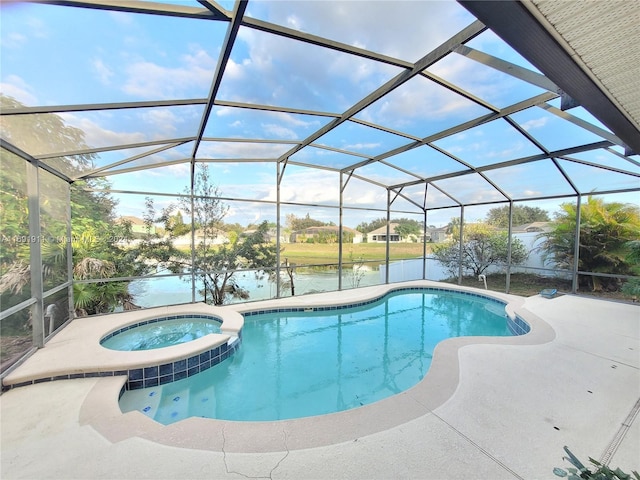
x: 444, y: 103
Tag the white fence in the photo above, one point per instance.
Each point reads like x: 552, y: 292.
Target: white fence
x: 411, y: 269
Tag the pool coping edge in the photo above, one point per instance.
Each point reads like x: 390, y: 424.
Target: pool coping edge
x: 438, y: 386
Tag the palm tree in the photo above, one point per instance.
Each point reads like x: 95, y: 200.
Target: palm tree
x: 89, y: 298
x: 605, y: 229
x: 632, y: 287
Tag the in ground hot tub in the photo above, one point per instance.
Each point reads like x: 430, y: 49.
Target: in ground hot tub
x: 161, y: 332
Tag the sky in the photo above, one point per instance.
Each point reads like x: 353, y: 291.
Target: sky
x: 54, y: 55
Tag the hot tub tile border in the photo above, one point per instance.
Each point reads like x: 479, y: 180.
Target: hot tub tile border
x: 169, y: 372
x: 156, y: 320
x: 154, y: 375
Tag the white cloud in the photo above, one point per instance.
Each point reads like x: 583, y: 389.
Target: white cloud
x: 278, y: 131
x: 37, y: 28
x: 294, y: 120
x: 308, y: 186
x: 276, y: 71
x: 102, y: 71
x: 365, y: 197
x: 13, y: 40
x: 172, y: 172
x: 233, y: 70
x: 14, y: 86
x: 418, y: 100
x: 470, y: 189
x: 215, y: 150
x: 457, y: 149
x: 122, y: 18
x: 510, y: 151
x: 361, y: 146
x: 535, y: 123
x: 96, y: 136
x: 146, y: 79
x: 162, y: 122
x: 272, y: 70
x: 293, y: 22
x: 374, y: 25
x: 262, y: 124
x: 222, y: 111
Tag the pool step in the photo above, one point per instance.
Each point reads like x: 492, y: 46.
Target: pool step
x: 145, y: 401
x: 203, y: 402
x: 496, y: 308
x: 174, y: 404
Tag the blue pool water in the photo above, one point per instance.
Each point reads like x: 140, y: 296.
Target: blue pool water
x: 162, y: 333
x: 300, y: 364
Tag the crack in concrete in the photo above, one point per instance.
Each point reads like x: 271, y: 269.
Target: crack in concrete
x: 224, y: 457
x: 286, y: 447
x: 270, y: 477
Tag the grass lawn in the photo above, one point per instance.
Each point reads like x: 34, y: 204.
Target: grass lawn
x: 321, y: 253
x: 527, y: 285
x: 524, y: 284
x: 520, y: 284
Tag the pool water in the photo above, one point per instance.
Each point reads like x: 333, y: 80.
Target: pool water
x: 162, y: 334
x: 302, y: 364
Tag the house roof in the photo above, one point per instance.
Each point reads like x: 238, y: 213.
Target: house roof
x: 383, y: 230
x: 131, y: 219
x: 328, y: 228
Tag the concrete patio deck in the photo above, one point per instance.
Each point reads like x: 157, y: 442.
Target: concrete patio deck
x: 487, y: 409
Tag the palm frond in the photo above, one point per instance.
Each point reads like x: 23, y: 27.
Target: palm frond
x: 93, y: 268
x: 15, y: 278
x: 84, y: 296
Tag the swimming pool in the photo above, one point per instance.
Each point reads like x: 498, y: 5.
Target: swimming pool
x: 296, y: 363
x: 161, y: 332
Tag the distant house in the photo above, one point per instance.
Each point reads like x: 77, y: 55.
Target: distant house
x: 432, y: 235
x: 138, y: 227
x: 379, y: 235
x: 437, y: 235
x: 327, y: 232
x: 271, y: 235
x: 218, y: 237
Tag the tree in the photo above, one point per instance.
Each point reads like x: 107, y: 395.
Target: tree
x: 177, y: 225
x: 482, y: 247
x: 409, y: 230
x: 411, y: 225
x: 218, y: 266
x: 605, y: 229
x: 632, y: 287
x: 358, y: 269
x: 46, y: 133
x: 297, y: 224
x: 290, y: 269
x: 522, y: 214
x: 92, y: 219
x: 95, y: 255
x: 215, y: 265
x: 365, y: 227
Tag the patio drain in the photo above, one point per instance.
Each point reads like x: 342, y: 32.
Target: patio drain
x: 620, y: 434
